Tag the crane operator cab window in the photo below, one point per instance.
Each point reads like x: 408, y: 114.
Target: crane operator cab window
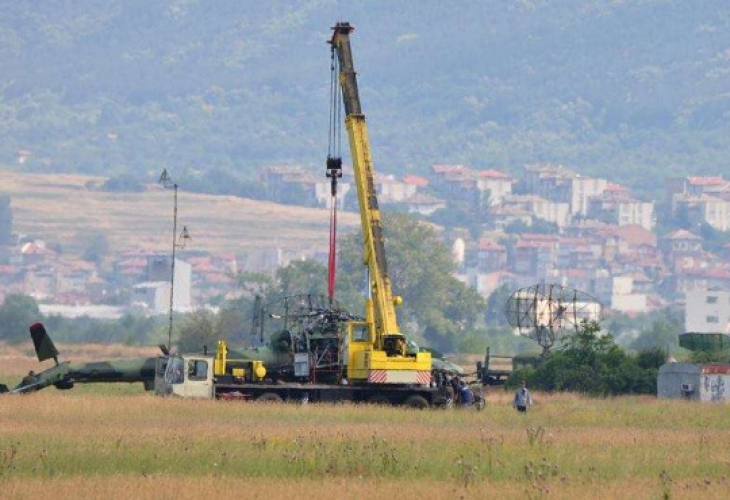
x: 174, y: 371
x: 360, y: 332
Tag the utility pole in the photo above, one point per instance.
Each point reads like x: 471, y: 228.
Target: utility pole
x: 177, y: 241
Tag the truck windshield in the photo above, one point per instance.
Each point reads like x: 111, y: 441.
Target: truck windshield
x: 174, y: 371
x: 161, y: 366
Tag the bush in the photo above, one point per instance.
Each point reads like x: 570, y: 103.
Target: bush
x: 17, y: 313
x: 591, y: 363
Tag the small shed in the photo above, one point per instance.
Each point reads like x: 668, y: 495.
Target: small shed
x: 707, y: 382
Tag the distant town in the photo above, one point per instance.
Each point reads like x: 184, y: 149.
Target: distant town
x: 594, y: 235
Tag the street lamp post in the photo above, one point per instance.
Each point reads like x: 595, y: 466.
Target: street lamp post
x: 177, y: 242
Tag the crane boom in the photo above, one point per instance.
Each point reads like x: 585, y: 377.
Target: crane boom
x: 384, y: 357
x: 373, y: 239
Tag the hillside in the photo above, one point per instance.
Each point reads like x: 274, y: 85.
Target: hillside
x: 66, y: 209
x: 634, y: 90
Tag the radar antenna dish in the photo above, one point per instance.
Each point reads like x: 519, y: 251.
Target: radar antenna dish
x: 547, y: 312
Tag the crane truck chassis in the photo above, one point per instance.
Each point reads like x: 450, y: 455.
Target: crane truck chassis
x: 208, y: 377
x: 305, y: 360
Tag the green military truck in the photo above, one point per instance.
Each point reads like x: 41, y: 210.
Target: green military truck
x: 497, y: 369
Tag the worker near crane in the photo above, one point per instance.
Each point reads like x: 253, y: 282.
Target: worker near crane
x: 466, y: 397
x: 523, y: 398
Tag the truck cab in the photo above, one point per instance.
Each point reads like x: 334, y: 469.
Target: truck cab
x: 187, y: 375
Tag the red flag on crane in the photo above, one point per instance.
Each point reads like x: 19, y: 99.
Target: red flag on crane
x: 332, y: 264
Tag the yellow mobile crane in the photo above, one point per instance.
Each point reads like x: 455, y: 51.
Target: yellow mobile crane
x: 377, y: 350
x: 315, y: 363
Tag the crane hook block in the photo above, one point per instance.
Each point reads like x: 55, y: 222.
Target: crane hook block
x: 334, y: 167
x: 334, y: 171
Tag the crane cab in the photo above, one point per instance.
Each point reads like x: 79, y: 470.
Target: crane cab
x: 368, y: 365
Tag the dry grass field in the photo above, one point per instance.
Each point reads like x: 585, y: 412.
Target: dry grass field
x: 115, y: 441
x: 61, y: 208
x: 78, y: 444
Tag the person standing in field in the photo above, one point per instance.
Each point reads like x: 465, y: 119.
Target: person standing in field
x: 523, y: 398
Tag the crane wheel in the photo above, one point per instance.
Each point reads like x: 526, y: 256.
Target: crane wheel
x: 269, y: 397
x: 416, y: 402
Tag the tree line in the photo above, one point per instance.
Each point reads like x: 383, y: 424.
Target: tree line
x: 590, y: 362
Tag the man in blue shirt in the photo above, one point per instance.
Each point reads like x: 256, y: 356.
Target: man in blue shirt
x: 523, y: 398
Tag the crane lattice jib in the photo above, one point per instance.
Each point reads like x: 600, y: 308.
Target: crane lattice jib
x: 373, y: 239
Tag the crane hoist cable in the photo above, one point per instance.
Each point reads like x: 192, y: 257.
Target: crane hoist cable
x: 334, y: 145
x: 334, y: 170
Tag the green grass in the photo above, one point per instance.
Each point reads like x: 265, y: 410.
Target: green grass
x: 565, y: 444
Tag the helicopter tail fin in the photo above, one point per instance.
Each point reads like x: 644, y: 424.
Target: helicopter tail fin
x: 44, y: 347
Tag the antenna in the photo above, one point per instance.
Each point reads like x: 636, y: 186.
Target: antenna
x: 546, y: 312
x: 257, y: 318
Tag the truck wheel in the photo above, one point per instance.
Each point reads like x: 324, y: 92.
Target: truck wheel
x: 416, y: 402
x: 443, y: 401
x: 269, y: 397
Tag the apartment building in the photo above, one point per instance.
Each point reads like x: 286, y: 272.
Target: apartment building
x: 707, y: 311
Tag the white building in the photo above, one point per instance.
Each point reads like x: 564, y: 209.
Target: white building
x: 551, y: 211
x: 679, y: 188
x: 707, y: 311
x: 640, y: 213
x: 98, y: 311
x: 152, y: 296
x: 498, y: 184
x: 557, y: 183
x: 154, y: 293
x: 616, y: 206
x: 716, y: 212
x: 581, y: 190
x: 618, y: 293
x: 323, y: 192
x: 710, y: 382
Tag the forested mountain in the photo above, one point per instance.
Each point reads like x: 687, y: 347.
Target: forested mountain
x: 632, y: 90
